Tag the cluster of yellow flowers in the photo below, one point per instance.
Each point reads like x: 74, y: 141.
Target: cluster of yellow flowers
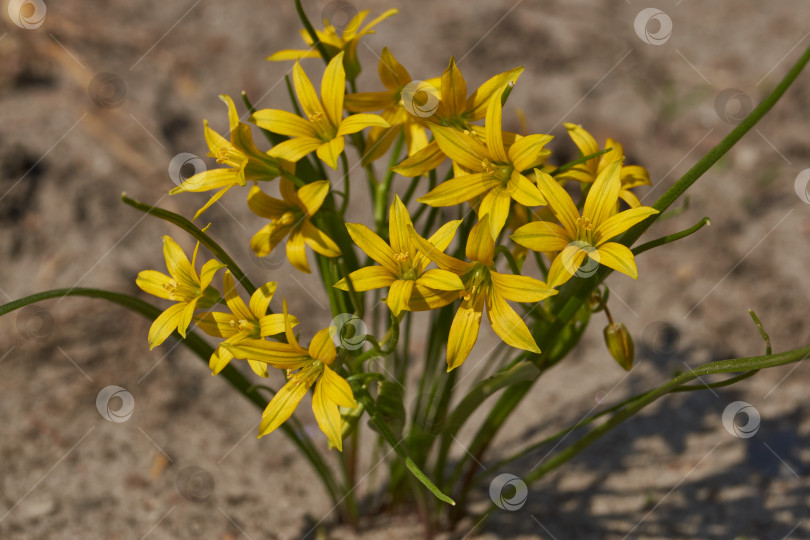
x: 504, y: 178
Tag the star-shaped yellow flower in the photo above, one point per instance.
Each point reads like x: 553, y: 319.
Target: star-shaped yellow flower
x: 305, y: 367
x: 243, y: 322
x: 395, y: 78
x: 456, y: 109
x: 335, y: 43
x: 183, y: 286
x: 403, y: 268
x: 587, y: 235
x: 325, y: 127
x: 631, y: 175
x: 484, y: 286
x: 244, y: 161
x: 493, y: 170
x: 290, y: 216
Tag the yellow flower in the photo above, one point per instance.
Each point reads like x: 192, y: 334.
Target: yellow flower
x: 631, y: 175
x: 455, y: 109
x: 394, y: 77
x: 403, y: 268
x: 244, y: 161
x: 243, y: 322
x: 305, y: 368
x: 483, y: 285
x: 325, y: 127
x: 183, y: 286
x: 585, y: 236
x: 490, y: 170
x: 291, y: 216
x: 334, y: 43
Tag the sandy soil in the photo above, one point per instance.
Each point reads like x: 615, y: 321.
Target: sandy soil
x: 673, y: 472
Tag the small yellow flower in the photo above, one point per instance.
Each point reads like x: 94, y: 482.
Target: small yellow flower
x: 334, y: 43
x: 403, y: 268
x: 394, y: 77
x: 183, y: 286
x: 305, y: 367
x: 491, y: 170
x: 484, y: 286
x: 243, y: 322
x: 587, y: 235
x: 291, y: 216
x: 325, y: 127
x: 457, y: 110
x: 631, y: 175
x: 244, y: 161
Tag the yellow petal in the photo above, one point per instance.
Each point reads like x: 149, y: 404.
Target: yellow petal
x: 398, y: 295
x: 357, y: 122
x: 319, y: 241
x: 279, y: 355
x: 220, y: 358
x: 603, y: 196
x: 630, y: 198
x: 565, y: 265
x: 439, y: 279
x: 373, y: 246
x: 620, y: 222
x: 264, y: 205
x: 178, y: 264
x: 328, y: 416
x: 619, y: 258
x: 523, y: 191
x: 542, y: 236
x: 476, y: 105
x: 267, y: 238
x: 634, y: 176
x: 493, y: 128
x: 424, y: 299
x: 155, y: 283
x: 463, y: 149
x: 528, y: 152
x: 186, y: 316
x: 378, y: 142
x: 336, y: 388
x: 329, y: 151
x: 480, y: 243
x: 453, y: 90
x: 367, y: 28
x: 333, y: 87
x: 284, y: 123
x: 272, y: 325
x: 459, y: 190
x: 508, y: 324
x: 293, y: 54
x: 297, y: 253
x: 445, y: 262
x: 288, y: 333
x: 209, y: 269
x: 258, y: 368
x: 495, y: 205
x: 232, y: 299
x: 312, y: 196
x: 392, y: 74
x: 368, y: 101
x: 520, y: 288
x: 426, y: 159
x: 294, y: 149
x: 398, y: 222
x: 322, y: 348
x: 584, y: 141
x: 366, y: 279
x: 165, y: 323
x: 464, y: 331
x: 217, y: 324
x: 559, y: 201
x: 260, y: 299
x: 208, y: 180
x: 306, y: 94
x: 282, y: 406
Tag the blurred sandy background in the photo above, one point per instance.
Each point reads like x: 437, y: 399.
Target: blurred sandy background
x: 673, y: 472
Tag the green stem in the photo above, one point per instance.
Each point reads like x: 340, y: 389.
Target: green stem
x: 384, y: 188
x: 311, y: 31
x: 197, y: 233
x: 671, y: 237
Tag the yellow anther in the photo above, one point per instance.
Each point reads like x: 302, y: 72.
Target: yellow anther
x: 401, y: 257
x: 585, y: 223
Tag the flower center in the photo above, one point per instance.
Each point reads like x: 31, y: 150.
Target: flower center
x: 287, y: 218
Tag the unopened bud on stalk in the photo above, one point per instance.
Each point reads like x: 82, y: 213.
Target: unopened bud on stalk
x: 620, y: 344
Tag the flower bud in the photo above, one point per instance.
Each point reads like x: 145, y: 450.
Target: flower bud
x: 620, y: 344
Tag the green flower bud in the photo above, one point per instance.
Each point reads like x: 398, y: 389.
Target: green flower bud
x: 620, y: 344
